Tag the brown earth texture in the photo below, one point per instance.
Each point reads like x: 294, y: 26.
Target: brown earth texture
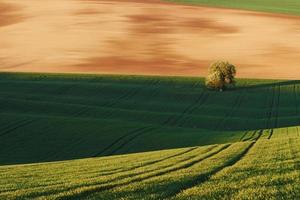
x: 144, y: 37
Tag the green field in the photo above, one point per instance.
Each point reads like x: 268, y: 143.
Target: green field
x: 274, y: 6
x: 261, y: 168
x: 243, y: 143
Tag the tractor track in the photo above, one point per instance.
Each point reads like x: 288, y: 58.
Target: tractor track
x: 98, y: 188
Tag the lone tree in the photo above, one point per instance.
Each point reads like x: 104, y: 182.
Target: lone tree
x: 221, y: 74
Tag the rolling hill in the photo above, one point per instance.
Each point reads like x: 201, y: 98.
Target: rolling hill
x: 43, y: 115
x: 91, y: 136
x: 184, y: 141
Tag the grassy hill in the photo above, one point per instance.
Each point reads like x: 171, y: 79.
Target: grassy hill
x: 60, y: 117
x: 243, y: 143
x: 262, y: 168
x: 274, y: 6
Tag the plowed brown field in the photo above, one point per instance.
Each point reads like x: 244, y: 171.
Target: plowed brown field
x: 144, y: 37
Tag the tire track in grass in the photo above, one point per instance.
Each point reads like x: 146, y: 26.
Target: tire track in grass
x: 115, y: 170
x: 275, y: 110
x: 12, y: 124
x: 88, y: 190
x: 133, y: 133
x: 236, y: 105
x: 127, y: 96
x: 79, y: 107
x: 62, y: 89
x: 271, y: 107
x: 296, y: 99
x: 205, y: 177
x: 271, y: 133
x: 174, y: 119
x: 131, y: 93
x: 259, y: 134
x: 147, y: 164
x: 85, y: 109
x: 61, y: 189
x: 17, y: 126
x: 124, y: 97
x: 154, y: 161
x: 251, y: 137
x: 296, y: 104
x: 277, y: 107
x: 131, y: 138
x: 243, y: 136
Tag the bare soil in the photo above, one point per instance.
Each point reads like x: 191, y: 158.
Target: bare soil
x: 145, y: 37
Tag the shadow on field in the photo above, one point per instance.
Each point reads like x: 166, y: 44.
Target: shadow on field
x: 60, y: 117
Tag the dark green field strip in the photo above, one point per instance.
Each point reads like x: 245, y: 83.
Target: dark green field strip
x: 210, y: 105
x: 93, y: 136
x: 82, y: 116
x: 74, y: 110
x: 88, y: 137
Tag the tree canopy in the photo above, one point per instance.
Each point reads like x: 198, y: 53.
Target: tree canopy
x: 221, y: 74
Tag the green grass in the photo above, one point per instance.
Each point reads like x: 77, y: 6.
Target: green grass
x: 259, y: 169
x: 243, y: 143
x: 274, y: 6
x: 60, y: 117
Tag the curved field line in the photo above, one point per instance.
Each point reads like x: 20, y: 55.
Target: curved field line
x: 243, y: 136
x: 250, y: 137
x: 173, y: 119
x: 148, y: 163
x: 113, y: 171
x: 271, y: 133
x: 62, y: 89
x: 296, y: 99
x: 80, y: 106
x: 130, y: 139
x: 275, y: 109
x: 205, y: 177
x: 236, y: 105
x: 95, y: 187
x: 119, y: 140
x: 88, y: 189
x: 271, y: 107
x: 277, y: 106
x: 20, y: 125
x: 130, y: 94
x: 12, y: 124
x: 259, y: 134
